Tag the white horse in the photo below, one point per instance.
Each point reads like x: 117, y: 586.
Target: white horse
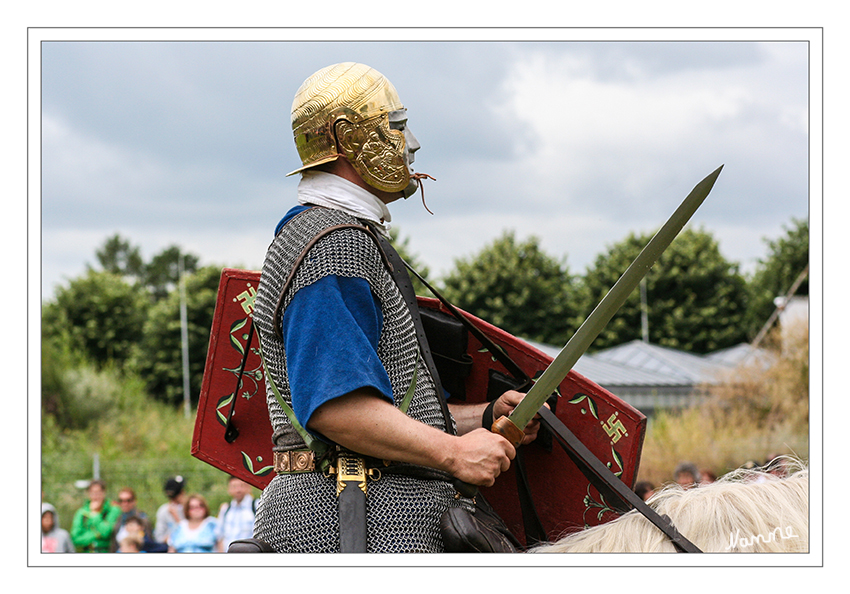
x: 745, y: 511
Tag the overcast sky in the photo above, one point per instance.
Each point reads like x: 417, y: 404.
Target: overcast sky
x: 578, y: 143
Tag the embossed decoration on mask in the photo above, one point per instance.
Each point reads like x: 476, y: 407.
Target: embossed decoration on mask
x: 376, y: 151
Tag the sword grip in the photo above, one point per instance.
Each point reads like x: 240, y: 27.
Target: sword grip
x: 507, y: 429
x: 504, y: 427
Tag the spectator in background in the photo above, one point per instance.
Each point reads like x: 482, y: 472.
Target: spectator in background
x: 236, y: 519
x: 135, y: 528
x: 644, y: 489
x: 91, y: 530
x: 198, y: 533
x: 686, y: 474
x: 130, y: 544
x: 170, y: 513
x: 53, y: 538
x: 706, y: 477
x: 127, y: 503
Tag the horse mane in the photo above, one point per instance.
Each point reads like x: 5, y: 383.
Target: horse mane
x: 744, y: 511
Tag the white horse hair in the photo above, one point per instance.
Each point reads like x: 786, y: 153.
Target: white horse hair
x: 745, y: 511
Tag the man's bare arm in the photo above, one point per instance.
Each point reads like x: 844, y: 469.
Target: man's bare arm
x: 364, y: 422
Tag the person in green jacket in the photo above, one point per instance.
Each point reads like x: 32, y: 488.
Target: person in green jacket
x: 93, y: 523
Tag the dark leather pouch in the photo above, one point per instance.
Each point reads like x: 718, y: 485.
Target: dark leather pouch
x: 250, y: 545
x: 483, y: 532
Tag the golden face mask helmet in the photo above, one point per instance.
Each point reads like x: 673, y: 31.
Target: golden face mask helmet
x: 343, y: 111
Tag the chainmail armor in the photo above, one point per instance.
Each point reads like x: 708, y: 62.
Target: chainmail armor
x: 298, y: 512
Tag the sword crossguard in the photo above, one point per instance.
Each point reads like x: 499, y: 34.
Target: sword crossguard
x: 507, y: 429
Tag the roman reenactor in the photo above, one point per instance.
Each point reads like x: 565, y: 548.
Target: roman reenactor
x: 366, y: 450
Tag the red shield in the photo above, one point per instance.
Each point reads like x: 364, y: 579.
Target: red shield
x: 563, y: 496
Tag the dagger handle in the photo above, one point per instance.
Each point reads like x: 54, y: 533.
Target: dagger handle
x: 467, y: 490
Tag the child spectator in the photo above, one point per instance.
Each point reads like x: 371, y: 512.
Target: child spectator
x: 53, y: 538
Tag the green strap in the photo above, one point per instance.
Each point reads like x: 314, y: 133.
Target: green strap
x: 408, y: 396
x: 319, y: 447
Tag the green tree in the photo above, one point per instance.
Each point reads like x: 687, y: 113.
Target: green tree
x: 119, y: 257
x: 788, y: 257
x: 100, y: 314
x: 162, y: 273
x: 517, y: 287
x: 158, y: 357
x: 696, y: 298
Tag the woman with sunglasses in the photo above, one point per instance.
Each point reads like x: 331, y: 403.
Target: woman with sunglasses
x: 197, y: 533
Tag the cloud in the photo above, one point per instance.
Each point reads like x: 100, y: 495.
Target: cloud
x: 617, y: 136
x: 90, y: 176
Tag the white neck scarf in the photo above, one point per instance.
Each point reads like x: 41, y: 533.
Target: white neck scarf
x: 329, y: 190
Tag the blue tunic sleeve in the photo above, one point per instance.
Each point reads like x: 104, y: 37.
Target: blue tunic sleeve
x: 331, y: 330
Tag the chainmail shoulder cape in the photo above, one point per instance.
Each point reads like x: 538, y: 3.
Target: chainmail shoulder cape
x: 298, y: 512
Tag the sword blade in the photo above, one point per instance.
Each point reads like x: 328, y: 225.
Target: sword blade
x: 605, y: 310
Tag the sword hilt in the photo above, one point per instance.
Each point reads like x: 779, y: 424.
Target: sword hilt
x: 504, y: 427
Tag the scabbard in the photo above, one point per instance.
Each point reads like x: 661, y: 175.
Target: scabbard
x: 352, y: 519
x: 351, y: 501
